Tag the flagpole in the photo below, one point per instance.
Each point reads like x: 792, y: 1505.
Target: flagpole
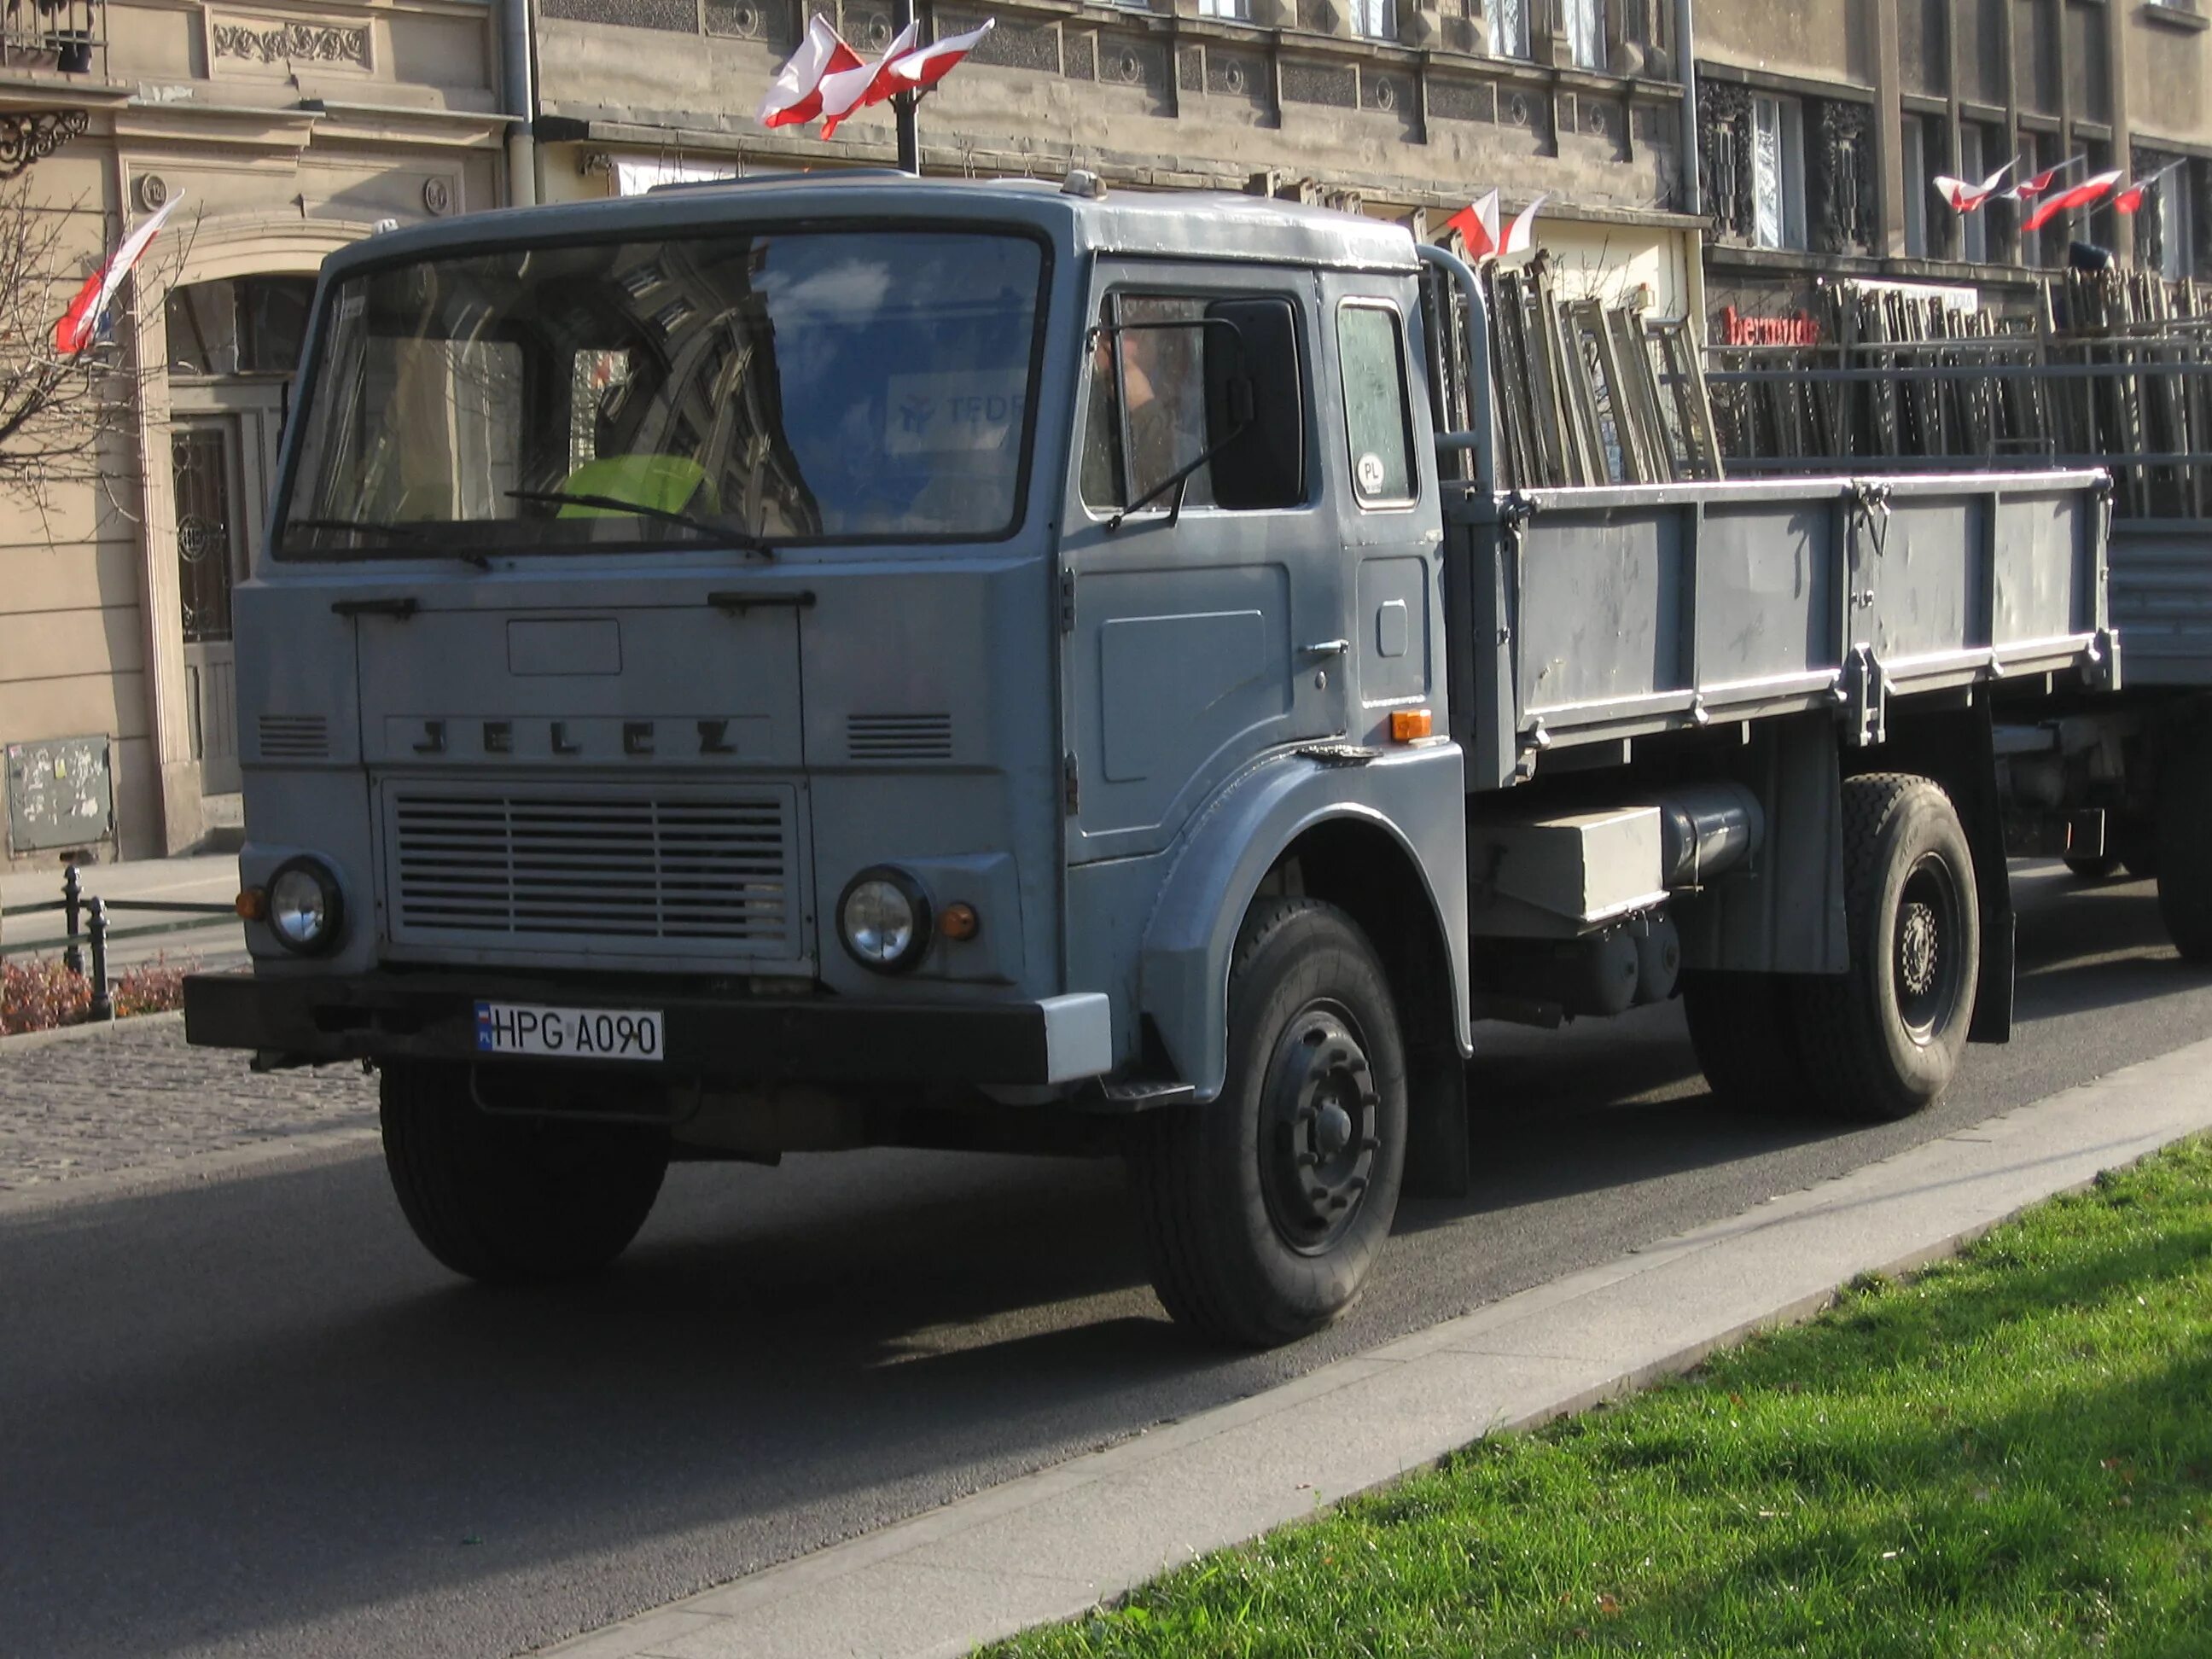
x: 909, y: 135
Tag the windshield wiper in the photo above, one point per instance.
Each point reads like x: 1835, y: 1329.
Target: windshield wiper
x: 413, y: 532
x: 728, y: 534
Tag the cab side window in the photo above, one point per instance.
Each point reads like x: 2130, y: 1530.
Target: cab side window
x: 1377, y: 424
x: 1146, y: 413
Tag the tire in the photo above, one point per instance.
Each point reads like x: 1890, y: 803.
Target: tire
x: 1742, y: 1028
x: 1263, y: 1211
x: 1884, y: 1039
x: 513, y: 1200
x: 2184, y: 844
x: 2094, y: 869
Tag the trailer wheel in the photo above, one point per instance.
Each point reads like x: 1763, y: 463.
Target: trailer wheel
x: 513, y: 1200
x: 2094, y: 869
x: 1742, y: 1026
x: 2184, y: 854
x: 1263, y: 1211
x: 1884, y: 1039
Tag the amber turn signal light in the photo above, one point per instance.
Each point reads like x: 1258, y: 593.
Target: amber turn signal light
x: 958, y: 921
x: 252, y: 905
x: 1408, y: 724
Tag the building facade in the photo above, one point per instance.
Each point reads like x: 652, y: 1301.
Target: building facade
x: 1818, y: 142
x: 289, y: 130
x: 1404, y: 109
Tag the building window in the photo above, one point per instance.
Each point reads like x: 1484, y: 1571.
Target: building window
x: 1509, y: 28
x: 1584, y: 22
x: 2168, y: 207
x: 1918, y: 191
x: 1378, y: 20
x: 1974, y: 164
x: 1233, y: 11
x: 251, y: 325
x: 1777, y: 172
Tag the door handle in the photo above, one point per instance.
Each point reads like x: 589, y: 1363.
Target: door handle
x: 1327, y: 648
x: 402, y: 606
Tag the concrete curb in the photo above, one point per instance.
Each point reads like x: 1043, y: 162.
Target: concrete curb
x: 1055, y: 1543
x: 20, y: 1040
x: 301, y: 1146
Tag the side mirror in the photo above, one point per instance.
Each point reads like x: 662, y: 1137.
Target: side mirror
x: 1255, y: 418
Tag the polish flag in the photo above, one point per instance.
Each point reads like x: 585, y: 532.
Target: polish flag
x: 1477, y: 223
x: 1968, y: 199
x: 1520, y: 235
x: 2041, y: 182
x: 2131, y: 199
x: 82, y: 320
x: 794, y: 97
x: 846, y: 92
x: 932, y: 64
x: 2079, y: 195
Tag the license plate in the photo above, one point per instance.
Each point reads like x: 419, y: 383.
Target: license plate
x: 520, y: 1028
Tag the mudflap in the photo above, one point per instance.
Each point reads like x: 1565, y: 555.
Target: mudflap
x: 1439, y: 1161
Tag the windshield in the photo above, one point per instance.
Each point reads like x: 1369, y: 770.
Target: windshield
x: 759, y: 390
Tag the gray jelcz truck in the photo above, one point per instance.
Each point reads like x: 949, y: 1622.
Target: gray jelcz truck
x: 821, y: 662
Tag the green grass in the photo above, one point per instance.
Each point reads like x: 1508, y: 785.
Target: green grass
x: 2010, y: 1454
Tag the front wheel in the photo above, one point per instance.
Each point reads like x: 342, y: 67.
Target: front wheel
x: 513, y: 1200
x: 1884, y: 1038
x: 1263, y: 1211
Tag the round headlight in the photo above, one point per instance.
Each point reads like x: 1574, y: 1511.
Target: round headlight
x: 883, y: 919
x: 305, y: 907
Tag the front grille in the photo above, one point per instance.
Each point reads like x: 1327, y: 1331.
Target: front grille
x: 294, y: 737
x: 898, y: 736
x: 665, y: 872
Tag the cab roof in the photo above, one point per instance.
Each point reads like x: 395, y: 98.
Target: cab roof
x: 1184, y: 224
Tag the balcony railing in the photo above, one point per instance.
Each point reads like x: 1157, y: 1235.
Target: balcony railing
x: 63, y: 38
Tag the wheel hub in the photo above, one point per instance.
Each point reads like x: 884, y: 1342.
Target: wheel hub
x: 1917, y: 945
x: 1319, y: 1149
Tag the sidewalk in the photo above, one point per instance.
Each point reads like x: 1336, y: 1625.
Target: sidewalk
x: 197, y: 879
x: 1057, y: 1542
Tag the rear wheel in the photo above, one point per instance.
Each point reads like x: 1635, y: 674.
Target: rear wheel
x: 2184, y: 846
x: 1884, y: 1039
x: 1263, y: 1211
x: 2094, y: 869
x: 1740, y: 1025
x: 514, y: 1199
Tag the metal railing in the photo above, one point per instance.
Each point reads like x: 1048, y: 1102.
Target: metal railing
x: 86, y: 928
x: 65, y: 37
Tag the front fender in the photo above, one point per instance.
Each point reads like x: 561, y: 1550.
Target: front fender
x: 1417, y: 797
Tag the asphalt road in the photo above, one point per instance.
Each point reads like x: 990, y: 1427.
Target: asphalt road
x: 254, y: 1419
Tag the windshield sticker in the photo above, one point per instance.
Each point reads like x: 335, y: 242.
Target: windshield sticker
x: 952, y: 412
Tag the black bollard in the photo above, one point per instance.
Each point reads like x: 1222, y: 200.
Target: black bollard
x: 72, y: 898
x: 103, y: 1006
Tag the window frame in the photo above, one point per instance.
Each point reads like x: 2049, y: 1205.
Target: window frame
x: 1408, y: 435
x: 1383, y: 14
x: 1788, y: 171
x: 1096, y: 306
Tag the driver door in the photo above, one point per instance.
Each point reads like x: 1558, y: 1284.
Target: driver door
x: 1201, y: 638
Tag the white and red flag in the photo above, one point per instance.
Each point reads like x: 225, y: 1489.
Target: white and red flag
x: 1968, y: 199
x: 794, y: 97
x: 81, y: 322
x: 2073, y: 195
x: 2035, y: 186
x: 846, y: 92
x: 925, y: 66
x: 1477, y: 224
x: 2131, y: 200
x: 1521, y: 234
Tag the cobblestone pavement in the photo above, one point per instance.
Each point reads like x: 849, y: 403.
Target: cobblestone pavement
x: 97, y: 1105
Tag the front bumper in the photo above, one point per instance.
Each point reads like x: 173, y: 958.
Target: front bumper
x: 317, y: 1018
